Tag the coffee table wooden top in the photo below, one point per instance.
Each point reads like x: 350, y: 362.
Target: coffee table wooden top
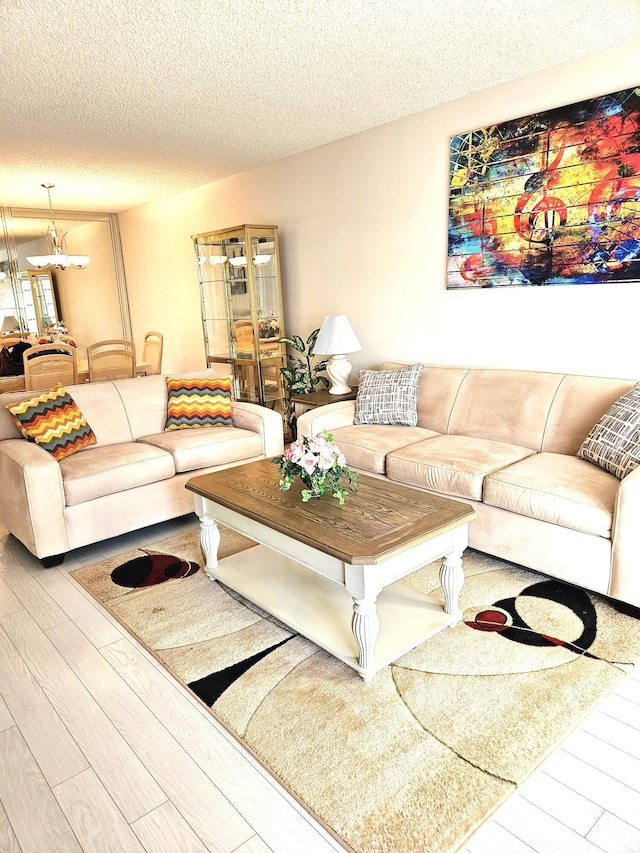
x: 375, y: 523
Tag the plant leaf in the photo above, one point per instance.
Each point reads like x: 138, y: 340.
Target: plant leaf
x: 296, y: 342
x: 311, y: 340
x: 289, y: 375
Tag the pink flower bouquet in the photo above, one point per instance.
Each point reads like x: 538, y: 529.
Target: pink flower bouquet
x: 321, y: 466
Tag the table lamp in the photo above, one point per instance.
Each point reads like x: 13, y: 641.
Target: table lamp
x: 336, y: 337
x: 10, y: 324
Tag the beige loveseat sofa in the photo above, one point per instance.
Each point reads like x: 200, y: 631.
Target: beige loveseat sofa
x: 134, y: 476
x: 505, y: 441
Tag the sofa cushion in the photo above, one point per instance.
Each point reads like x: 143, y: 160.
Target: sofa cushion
x: 452, y: 464
x: 614, y: 442
x: 556, y: 488
x: 366, y: 446
x: 388, y: 396
x: 505, y: 405
x: 54, y: 422
x: 111, y: 468
x: 579, y: 403
x: 201, y: 448
x: 198, y: 402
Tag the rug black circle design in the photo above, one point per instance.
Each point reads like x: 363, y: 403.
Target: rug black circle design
x: 503, y: 617
x: 152, y: 569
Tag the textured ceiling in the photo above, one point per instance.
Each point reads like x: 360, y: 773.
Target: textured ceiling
x: 119, y: 102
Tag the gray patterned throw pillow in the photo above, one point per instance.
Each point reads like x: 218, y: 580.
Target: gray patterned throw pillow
x: 614, y: 442
x: 388, y: 396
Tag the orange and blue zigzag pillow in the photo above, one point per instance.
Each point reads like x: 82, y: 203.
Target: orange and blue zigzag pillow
x: 202, y: 402
x: 54, y: 422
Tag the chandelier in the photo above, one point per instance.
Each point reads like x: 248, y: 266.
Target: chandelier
x: 58, y: 259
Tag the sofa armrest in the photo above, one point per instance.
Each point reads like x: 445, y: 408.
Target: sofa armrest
x: 625, y: 559
x: 32, y: 498
x: 329, y: 417
x: 264, y: 421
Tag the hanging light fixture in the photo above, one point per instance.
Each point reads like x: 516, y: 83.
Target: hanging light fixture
x: 58, y: 259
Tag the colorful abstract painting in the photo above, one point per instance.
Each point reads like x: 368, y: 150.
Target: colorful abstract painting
x: 549, y: 199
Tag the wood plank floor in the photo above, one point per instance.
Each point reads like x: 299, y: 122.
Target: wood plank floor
x: 100, y: 750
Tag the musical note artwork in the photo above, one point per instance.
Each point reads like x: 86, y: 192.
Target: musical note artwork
x: 549, y: 199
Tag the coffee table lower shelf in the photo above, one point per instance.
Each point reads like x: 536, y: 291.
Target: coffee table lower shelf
x: 321, y: 609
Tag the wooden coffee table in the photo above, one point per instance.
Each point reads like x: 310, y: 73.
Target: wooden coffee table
x: 332, y: 572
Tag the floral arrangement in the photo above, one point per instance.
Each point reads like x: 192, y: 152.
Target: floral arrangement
x: 269, y: 327
x: 321, y: 466
x: 57, y: 332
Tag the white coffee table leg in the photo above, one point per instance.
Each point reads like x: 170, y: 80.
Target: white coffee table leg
x: 451, y: 573
x: 366, y: 627
x: 364, y: 586
x: 451, y: 580
x: 209, y: 542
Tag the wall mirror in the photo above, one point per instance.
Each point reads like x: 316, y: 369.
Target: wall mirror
x: 92, y: 302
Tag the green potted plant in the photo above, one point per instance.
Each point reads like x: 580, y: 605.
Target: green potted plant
x: 301, y: 375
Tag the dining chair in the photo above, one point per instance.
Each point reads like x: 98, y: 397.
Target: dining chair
x: 111, y: 359
x: 152, y: 351
x: 243, y: 331
x: 10, y: 340
x: 47, y: 364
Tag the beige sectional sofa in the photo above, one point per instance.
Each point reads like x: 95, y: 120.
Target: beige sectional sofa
x: 505, y: 441
x: 133, y: 477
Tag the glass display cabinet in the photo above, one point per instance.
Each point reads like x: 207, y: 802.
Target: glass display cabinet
x: 38, y: 300
x: 241, y: 299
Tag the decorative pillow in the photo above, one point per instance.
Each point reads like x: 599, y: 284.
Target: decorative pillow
x: 614, y: 442
x: 388, y: 396
x: 198, y: 402
x: 53, y: 421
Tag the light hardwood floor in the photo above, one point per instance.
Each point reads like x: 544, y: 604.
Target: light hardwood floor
x: 100, y: 750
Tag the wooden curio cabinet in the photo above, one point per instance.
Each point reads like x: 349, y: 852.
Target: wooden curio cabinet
x: 241, y: 300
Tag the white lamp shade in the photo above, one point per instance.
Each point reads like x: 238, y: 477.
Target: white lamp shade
x: 78, y: 261
x: 10, y: 324
x: 62, y: 261
x: 336, y: 337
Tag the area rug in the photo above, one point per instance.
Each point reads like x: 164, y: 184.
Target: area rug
x: 419, y: 758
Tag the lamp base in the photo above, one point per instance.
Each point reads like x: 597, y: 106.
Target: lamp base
x: 339, y: 371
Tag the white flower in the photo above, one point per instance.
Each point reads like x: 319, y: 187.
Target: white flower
x: 309, y: 462
x: 326, y: 459
x: 317, y: 444
x: 342, y: 460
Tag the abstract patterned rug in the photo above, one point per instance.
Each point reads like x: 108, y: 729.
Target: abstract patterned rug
x: 419, y: 758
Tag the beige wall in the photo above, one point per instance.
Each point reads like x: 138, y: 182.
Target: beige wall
x: 363, y: 231
x: 88, y: 298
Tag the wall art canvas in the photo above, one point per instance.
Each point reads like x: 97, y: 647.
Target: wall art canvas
x: 549, y: 199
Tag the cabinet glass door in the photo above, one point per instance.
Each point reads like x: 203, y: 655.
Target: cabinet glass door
x: 38, y: 301
x: 241, y: 298
x: 214, y: 295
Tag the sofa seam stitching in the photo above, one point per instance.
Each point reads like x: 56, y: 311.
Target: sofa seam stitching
x: 546, y: 423
x: 126, y: 413
x: 455, y: 400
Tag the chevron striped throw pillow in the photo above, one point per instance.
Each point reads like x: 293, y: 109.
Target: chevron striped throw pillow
x: 198, y: 402
x: 54, y: 422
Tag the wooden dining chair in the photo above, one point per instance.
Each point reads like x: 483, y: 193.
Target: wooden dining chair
x: 47, y: 364
x: 111, y: 359
x: 152, y: 351
x: 10, y: 340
